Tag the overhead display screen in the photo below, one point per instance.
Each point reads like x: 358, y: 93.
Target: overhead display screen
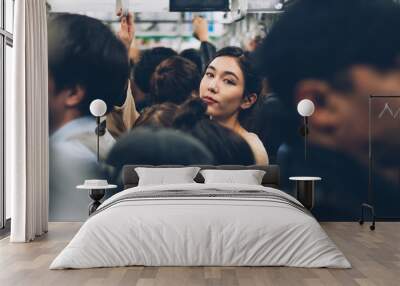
x: 198, y: 5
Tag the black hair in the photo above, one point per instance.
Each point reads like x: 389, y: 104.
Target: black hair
x: 174, y: 80
x: 323, y: 39
x: 83, y: 51
x: 273, y: 125
x: 158, y: 146
x: 147, y: 64
x: 194, y: 56
x: 227, y: 147
x: 252, y: 80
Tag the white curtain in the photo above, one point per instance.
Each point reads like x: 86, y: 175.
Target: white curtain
x: 27, y: 124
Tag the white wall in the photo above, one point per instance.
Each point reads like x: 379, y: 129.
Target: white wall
x: 8, y: 70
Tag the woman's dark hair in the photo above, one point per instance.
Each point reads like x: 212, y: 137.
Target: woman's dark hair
x: 158, y: 115
x: 227, y: 147
x: 83, y: 51
x: 174, y: 80
x: 252, y: 81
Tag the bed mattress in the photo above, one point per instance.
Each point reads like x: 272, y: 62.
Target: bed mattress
x: 201, y: 225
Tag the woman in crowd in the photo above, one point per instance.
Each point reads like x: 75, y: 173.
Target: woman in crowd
x: 227, y: 147
x: 230, y: 89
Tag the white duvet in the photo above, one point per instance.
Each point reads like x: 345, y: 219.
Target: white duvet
x: 185, y: 231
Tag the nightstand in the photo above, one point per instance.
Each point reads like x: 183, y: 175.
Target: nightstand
x: 97, y: 190
x: 305, y: 190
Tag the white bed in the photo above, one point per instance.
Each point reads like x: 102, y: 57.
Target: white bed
x: 224, y: 225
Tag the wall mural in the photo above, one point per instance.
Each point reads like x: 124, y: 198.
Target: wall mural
x: 204, y: 105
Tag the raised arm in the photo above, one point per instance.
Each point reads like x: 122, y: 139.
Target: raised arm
x: 121, y: 119
x: 200, y: 32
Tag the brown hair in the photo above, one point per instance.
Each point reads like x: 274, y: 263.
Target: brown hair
x: 174, y: 80
x: 158, y: 115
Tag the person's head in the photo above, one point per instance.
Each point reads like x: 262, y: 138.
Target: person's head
x: 229, y: 85
x: 227, y: 147
x: 157, y: 115
x: 148, y: 61
x: 86, y: 62
x: 158, y: 146
x: 174, y: 80
x: 336, y: 53
x: 194, y: 56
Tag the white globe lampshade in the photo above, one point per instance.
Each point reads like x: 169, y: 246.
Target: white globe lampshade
x: 278, y: 6
x: 305, y: 107
x: 98, y: 107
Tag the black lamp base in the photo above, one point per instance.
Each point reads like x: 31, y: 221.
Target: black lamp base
x: 367, y: 206
x: 101, y: 129
x: 305, y: 193
x: 96, y: 195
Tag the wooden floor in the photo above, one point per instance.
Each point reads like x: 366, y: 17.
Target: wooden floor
x: 375, y: 257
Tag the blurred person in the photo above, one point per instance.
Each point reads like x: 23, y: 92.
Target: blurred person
x: 174, y: 80
x: 200, y: 32
x: 138, y: 97
x: 253, y: 43
x: 86, y: 62
x: 255, y: 36
x: 337, y: 53
x: 121, y: 118
x: 227, y: 147
x: 194, y: 56
x: 79, y: 70
x: 158, y: 146
x: 230, y: 89
x: 126, y: 32
x: 144, y: 69
x: 171, y: 82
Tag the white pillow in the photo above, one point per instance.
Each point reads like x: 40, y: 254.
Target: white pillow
x: 163, y: 176
x: 248, y: 177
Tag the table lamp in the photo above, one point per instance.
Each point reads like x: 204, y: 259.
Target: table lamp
x: 98, y: 108
x: 305, y: 108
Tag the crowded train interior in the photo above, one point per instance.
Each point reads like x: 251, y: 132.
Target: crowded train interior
x: 199, y: 142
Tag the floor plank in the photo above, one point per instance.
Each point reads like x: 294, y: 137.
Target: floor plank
x: 374, y: 255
